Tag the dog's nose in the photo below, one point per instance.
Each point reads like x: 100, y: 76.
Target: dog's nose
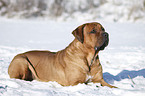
x: 105, y: 34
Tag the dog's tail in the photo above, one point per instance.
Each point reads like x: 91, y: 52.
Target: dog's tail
x: 32, y: 69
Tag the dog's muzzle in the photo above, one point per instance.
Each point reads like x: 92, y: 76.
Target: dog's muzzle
x: 105, y: 40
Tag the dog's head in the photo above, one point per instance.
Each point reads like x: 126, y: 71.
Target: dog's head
x: 92, y: 35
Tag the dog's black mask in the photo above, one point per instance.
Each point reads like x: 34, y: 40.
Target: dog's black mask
x: 106, y: 41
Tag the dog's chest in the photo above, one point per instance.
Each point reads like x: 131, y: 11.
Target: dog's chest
x: 88, y: 78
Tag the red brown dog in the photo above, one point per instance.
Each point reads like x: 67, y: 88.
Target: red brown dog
x: 77, y: 63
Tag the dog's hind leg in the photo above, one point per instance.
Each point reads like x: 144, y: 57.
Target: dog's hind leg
x: 32, y: 69
x: 19, y: 69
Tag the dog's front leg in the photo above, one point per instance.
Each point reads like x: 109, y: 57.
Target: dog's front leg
x: 97, y: 74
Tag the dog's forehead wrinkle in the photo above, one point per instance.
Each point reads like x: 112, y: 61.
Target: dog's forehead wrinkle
x: 90, y: 27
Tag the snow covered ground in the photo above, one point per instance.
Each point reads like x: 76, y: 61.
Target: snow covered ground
x: 124, y: 56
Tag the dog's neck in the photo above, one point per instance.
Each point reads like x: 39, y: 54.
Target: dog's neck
x: 87, y: 53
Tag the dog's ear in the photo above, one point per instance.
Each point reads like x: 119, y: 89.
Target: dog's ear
x: 78, y: 33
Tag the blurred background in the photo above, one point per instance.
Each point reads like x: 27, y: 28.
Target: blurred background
x: 80, y: 10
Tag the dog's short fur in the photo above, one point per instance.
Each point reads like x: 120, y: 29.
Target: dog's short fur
x: 77, y: 63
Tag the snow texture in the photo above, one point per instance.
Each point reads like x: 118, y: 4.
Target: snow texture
x: 124, y: 56
x: 68, y: 10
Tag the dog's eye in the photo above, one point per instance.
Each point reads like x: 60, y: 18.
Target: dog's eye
x: 93, y: 31
x: 102, y: 29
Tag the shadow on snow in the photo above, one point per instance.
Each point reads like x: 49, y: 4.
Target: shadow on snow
x: 109, y: 78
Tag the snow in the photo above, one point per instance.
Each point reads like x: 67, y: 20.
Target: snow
x: 124, y: 56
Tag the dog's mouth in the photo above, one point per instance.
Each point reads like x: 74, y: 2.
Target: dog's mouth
x: 104, y: 44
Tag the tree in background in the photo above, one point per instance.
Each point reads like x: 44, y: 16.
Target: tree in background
x: 111, y: 10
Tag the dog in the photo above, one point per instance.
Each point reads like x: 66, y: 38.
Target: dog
x: 77, y: 63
